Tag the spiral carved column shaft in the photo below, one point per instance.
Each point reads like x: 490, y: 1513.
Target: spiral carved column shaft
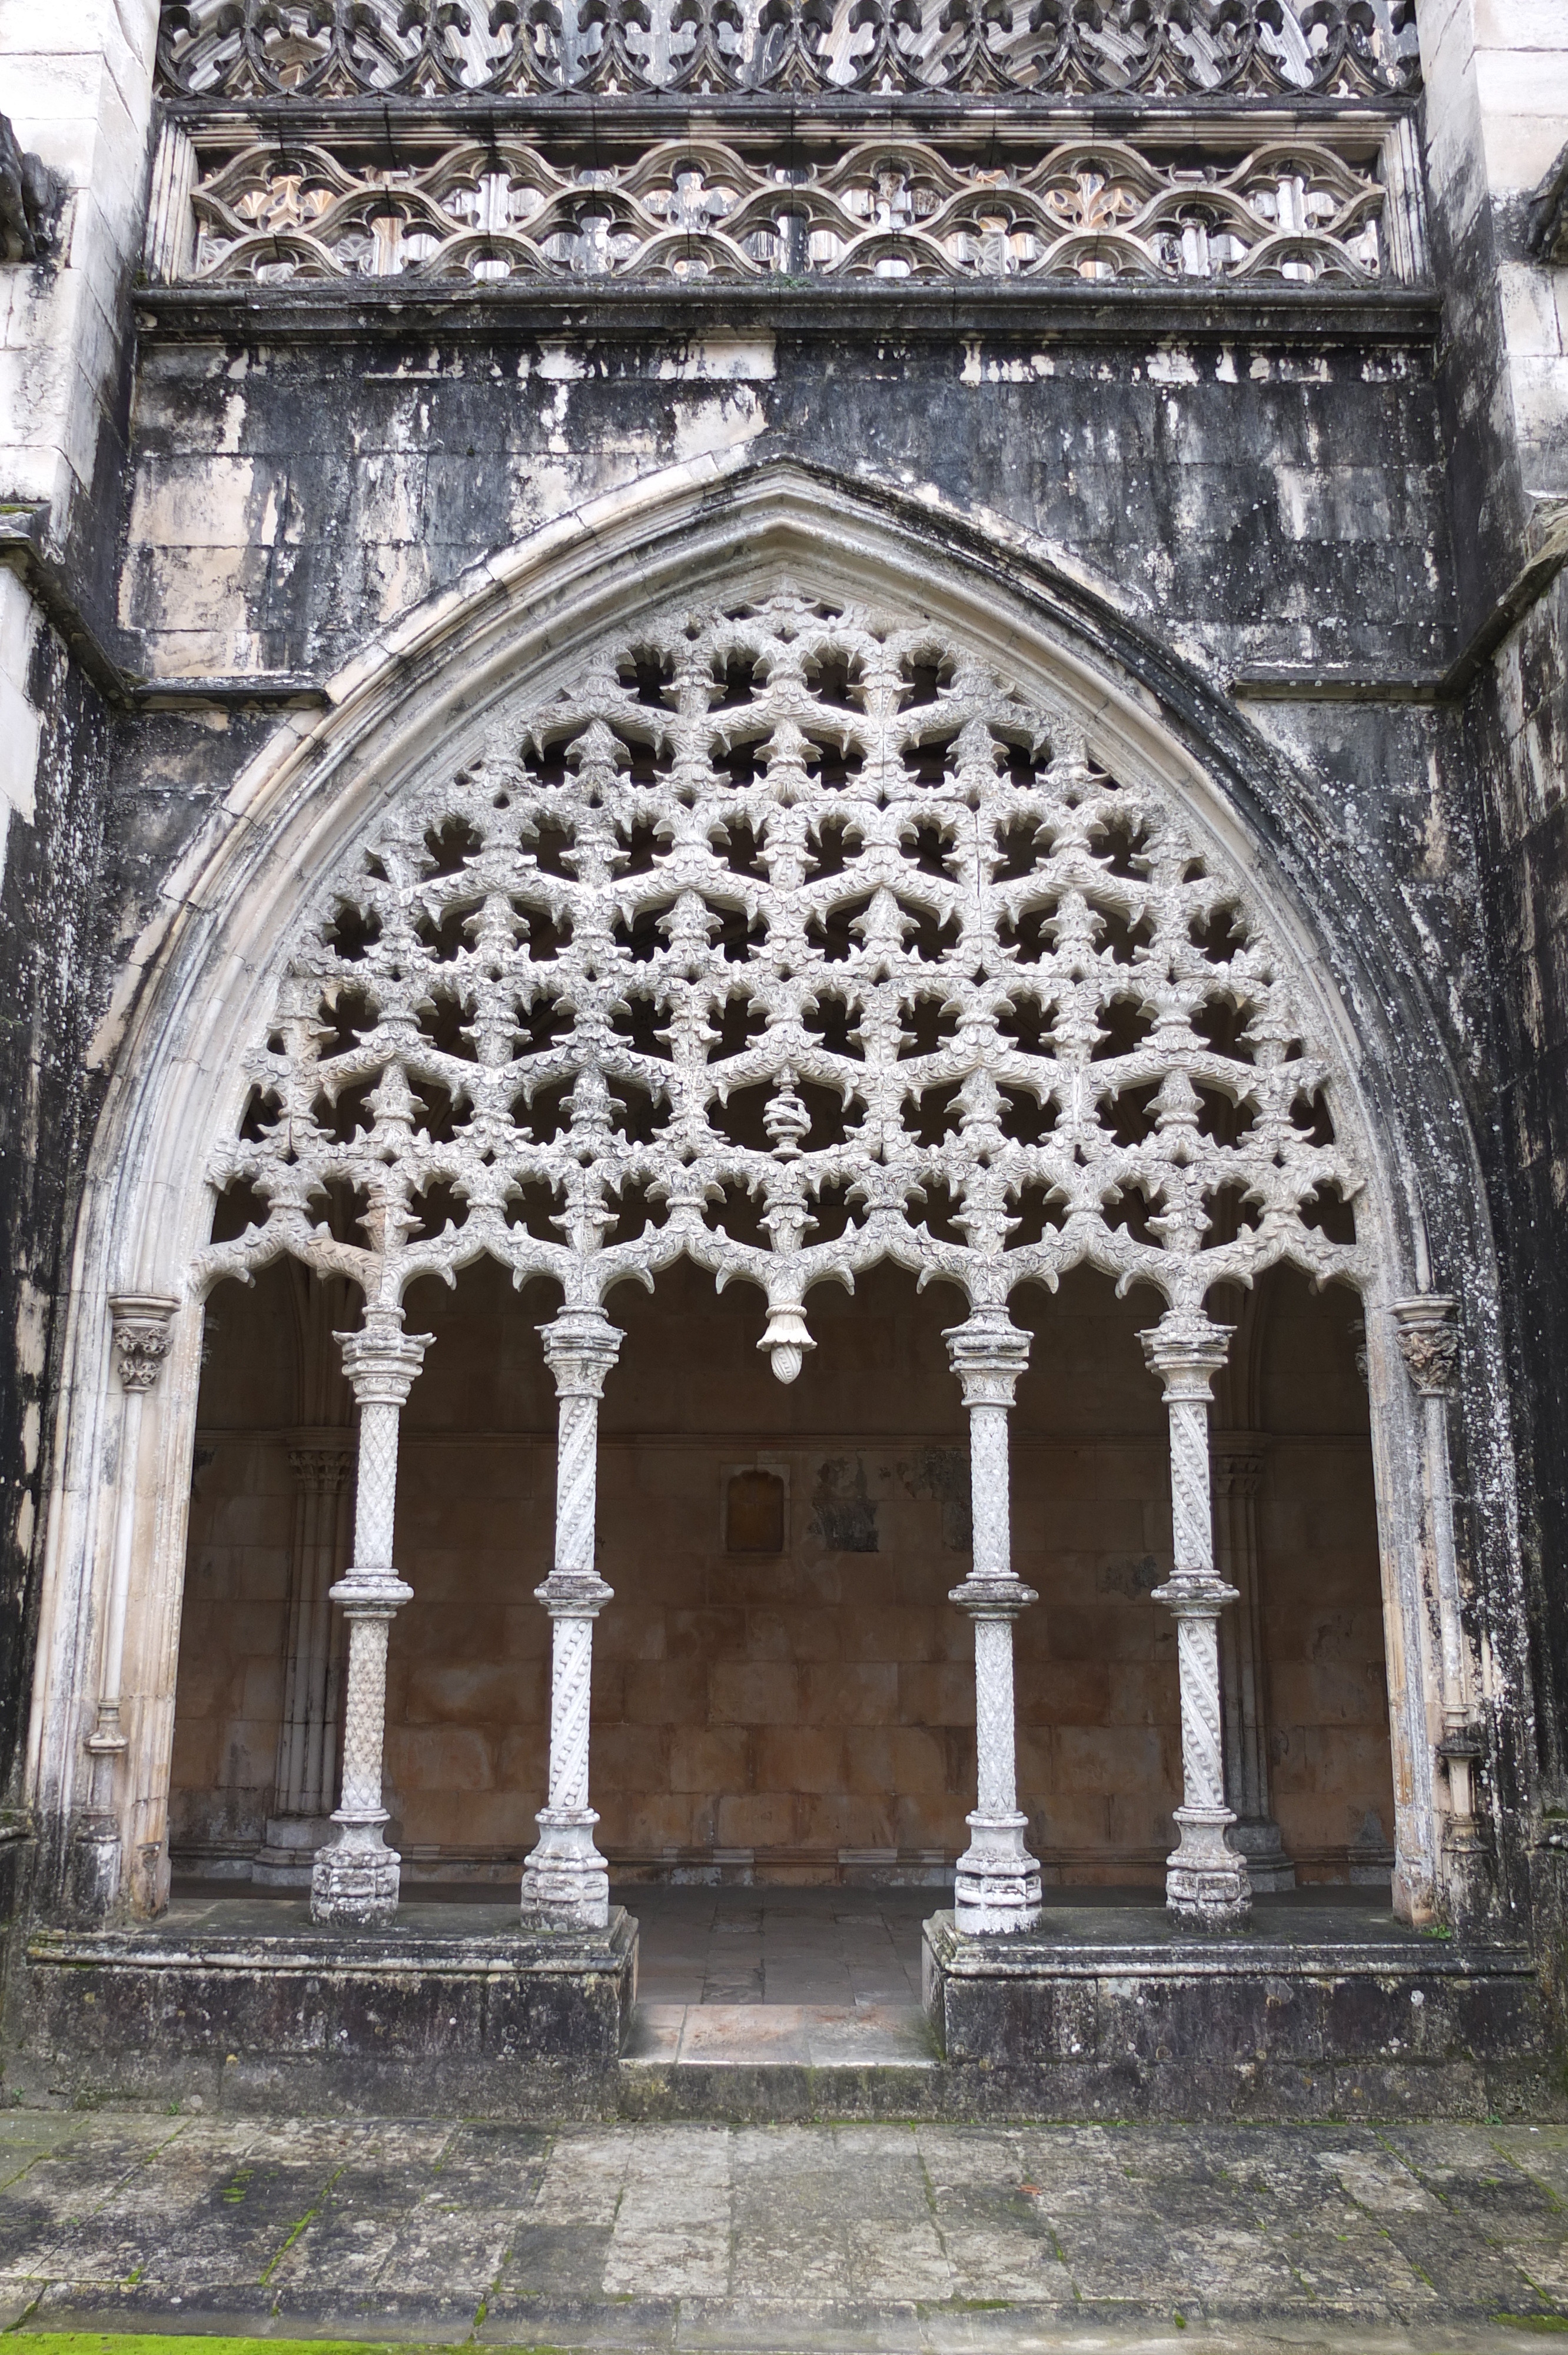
x: 1206, y: 1883
x: 998, y: 1882
x: 566, y: 1882
x: 354, y: 1878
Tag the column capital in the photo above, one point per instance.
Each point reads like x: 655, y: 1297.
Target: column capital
x: 992, y: 1598
x: 574, y: 1594
x: 140, y: 1322
x: 988, y: 1354
x: 581, y: 1347
x: 1186, y: 1349
x: 1188, y: 1597
x: 1427, y: 1329
x: 381, y: 1361
x: 370, y: 1594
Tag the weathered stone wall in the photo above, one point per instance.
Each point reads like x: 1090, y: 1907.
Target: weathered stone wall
x: 1496, y: 116
x: 1319, y: 503
x: 77, y: 95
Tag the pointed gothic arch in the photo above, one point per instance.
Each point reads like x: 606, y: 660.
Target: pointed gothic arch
x: 423, y: 712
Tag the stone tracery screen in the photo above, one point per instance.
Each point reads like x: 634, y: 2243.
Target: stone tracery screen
x: 789, y: 939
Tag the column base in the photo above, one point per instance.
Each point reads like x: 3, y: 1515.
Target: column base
x: 1268, y: 1868
x: 95, y: 1870
x: 354, y: 1879
x: 1206, y: 1883
x: 566, y: 1882
x: 286, y: 1858
x: 998, y: 1884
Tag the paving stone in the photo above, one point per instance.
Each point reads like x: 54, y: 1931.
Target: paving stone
x: 876, y: 2240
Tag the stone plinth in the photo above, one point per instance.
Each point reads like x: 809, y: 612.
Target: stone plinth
x: 1314, y: 2011
x: 253, y: 2008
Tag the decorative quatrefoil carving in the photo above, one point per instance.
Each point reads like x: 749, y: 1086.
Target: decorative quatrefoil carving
x: 789, y: 940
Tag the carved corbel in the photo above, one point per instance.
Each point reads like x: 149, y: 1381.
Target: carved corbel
x: 31, y: 198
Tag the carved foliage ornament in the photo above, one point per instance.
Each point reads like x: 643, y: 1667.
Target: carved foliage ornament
x: 789, y: 939
x: 889, y: 209
x: 313, y: 49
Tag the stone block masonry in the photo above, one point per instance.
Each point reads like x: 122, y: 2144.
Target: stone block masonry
x: 871, y: 703
x: 910, y: 2238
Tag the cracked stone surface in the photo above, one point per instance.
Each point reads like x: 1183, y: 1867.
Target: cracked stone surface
x: 874, y: 2237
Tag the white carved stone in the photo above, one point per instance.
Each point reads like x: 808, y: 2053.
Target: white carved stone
x: 354, y: 1879
x: 229, y: 48
x: 789, y: 939
x: 888, y: 208
x: 566, y: 1882
x: 1206, y: 1883
x: 998, y: 1882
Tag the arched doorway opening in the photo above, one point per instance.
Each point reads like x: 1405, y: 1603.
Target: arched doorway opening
x: 142, y: 1523
x: 783, y: 1693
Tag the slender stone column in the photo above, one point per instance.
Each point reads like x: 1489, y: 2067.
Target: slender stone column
x: 141, y: 1337
x: 354, y: 1877
x: 1429, y: 1344
x: 1237, y: 1461
x: 1206, y: 1883
x: 997, y: 1880
x: 566, y: 1882
x: 307, y: 1738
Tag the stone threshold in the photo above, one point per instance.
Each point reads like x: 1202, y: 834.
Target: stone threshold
x: 778, y: 2035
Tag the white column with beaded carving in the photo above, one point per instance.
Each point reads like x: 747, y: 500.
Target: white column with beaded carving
x: 140, y: 1336
x: 998, y: 1885
x: 1206, y: 1883
x: 354, y: 1878
x: 566, y: 1882
x: 1429, y: 1344
x: 307, y: 1737
x: 1237, y: 1462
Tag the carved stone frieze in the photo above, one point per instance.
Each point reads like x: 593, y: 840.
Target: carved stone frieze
x: 891, y: 208
x: 315, y: 49
x: 786, y: 938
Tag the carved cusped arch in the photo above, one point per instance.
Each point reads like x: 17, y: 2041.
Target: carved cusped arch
x: 789, y: 936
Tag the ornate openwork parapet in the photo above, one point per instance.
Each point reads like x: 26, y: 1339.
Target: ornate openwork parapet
x: 702, y: 48
x: 814, y: 141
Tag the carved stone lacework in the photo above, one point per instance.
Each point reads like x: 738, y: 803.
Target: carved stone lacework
x: 787, y: 940
x: 316, y: 48
x: 886, y: 208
